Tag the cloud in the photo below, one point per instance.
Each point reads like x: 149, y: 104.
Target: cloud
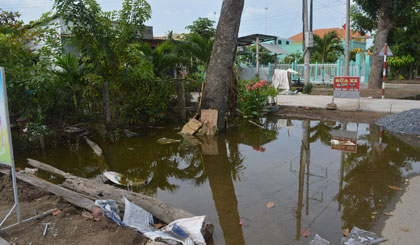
x: 253, y: 12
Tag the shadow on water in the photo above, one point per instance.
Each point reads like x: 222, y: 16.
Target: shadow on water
x: 315, y: 183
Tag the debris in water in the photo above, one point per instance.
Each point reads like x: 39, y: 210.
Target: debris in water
x: 346, y: 232
x: 359, y: 236
x: 318, y: 240
x: 120, y: 179
x: 57, y: 212
x: 165, y: 141
x: 270, y: 204
x: 191, y: 127
x: 306, y: 232
x: 405, y: 229
x: 394, y: 187
x: 73, y: 129
x: 94, y: 146
x: 388, y: 214
x: 130, y: 134
x: 130, y: 148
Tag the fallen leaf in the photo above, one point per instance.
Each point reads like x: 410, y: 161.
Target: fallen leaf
x: 346, y: 232
x: 388, y: 214
x: 394, y: 187
x: 55, y: 213
x: 243, y: 223
x: 158, y: 225
x: 405, y: 229
x: 270, y: 204
x: 373, y: 216
x: 306, y: 232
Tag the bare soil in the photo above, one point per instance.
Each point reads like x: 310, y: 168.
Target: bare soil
x: 67, y: 227
x: 329, y: 115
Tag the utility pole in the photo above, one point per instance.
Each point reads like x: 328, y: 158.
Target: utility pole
x: 306, y: 37
x: 347, y: 54
x: 311, y: 11
x: 266, y: 20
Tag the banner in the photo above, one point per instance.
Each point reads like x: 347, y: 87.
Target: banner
x: 346, y: 87
x: 5, y: 136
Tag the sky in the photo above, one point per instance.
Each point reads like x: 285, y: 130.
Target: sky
x: 281, y: 18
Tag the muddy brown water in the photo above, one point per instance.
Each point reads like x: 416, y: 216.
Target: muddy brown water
x: 231, y: 178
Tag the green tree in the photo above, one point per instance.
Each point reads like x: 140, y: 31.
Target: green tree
x: 203, y: 27
x: 383, y: 16
x: 104, y: 37
x: 292, y: 58
x: 198, y: 48
x: 328, y: 48
x: 71, y: 75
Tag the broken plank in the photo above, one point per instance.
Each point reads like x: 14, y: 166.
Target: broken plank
x: 159, y: 209
x: 95, y: 147
x: 72, y: 197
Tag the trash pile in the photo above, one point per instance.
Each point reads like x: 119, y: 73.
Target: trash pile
x: 185, y: 231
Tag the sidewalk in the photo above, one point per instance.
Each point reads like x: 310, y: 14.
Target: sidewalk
x: 406, y: 215
x: 376, y: 105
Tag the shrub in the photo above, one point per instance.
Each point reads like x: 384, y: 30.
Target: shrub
x: 252, y: 96
x: 308, y: 88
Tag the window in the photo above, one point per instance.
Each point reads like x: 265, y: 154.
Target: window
x: 278, y: 42
x: 287, y: 42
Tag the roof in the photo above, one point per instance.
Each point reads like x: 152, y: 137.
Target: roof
x: 248, y: 40
x: 321, y: 32
x: 274, y: 48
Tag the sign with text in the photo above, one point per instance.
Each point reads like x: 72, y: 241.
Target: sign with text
x: 5, y: 136
x: 344, y: 140
x: 346, y: 87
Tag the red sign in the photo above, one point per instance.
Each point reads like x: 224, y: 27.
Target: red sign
x: 349, y: 84
x: 344, y: 144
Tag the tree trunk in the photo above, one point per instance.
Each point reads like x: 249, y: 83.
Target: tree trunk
x: 181, y: 96
x: 385, y: 25
x: 107, y: 108
x: 222, y: 59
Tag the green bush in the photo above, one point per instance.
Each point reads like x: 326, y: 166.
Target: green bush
x: 308, y: 88
x: 252, y: 96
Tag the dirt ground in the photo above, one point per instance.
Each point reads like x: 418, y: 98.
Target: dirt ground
x: 329, y: 115
x: 67, y: 227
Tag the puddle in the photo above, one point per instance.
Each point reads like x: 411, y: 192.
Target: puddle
x: 291, y: 163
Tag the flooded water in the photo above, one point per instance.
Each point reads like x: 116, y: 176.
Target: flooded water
x: 325, y: 176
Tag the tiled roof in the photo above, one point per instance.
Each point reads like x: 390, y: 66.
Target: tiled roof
x: 321, y: 32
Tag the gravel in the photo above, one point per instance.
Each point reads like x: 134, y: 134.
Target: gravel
x: 406, y: 122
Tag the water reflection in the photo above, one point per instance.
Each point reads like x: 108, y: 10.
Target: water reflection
x: 219, y: 171
x: 322, y: 189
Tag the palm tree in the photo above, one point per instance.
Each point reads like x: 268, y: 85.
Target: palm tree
x: 198, y: 48
x: 327, y: 48
x: 71, y: 74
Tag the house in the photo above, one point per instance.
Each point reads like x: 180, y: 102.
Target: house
x: 294, y: 44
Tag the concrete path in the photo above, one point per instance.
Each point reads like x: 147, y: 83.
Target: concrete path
x: 406, y: 215
x: 366, y: 104
x: 3, y: 242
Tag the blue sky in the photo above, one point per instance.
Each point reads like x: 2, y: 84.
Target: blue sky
x: 284, y: 17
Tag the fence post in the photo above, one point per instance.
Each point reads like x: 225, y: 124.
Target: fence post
x: 338, y: 67
x: 358, y: 63
x: 367, y: 68
x: 269, y: 72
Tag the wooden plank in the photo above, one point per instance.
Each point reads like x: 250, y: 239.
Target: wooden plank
x: 94, y: 146
x: 159, y: 209
x: 72, y: 197
x: 48, y: 168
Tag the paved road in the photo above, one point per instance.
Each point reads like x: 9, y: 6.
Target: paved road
x: 377, y: 105
x: 405, y: 215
